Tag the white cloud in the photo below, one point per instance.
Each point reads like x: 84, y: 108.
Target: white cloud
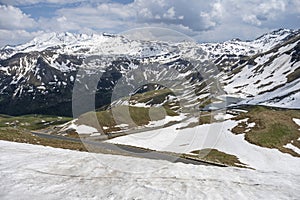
x: 295, y: 5
x: 252, y: 19
x: 170, y: 14
x: 207, y: 22
x: 31, y: 2
x: 114, y: 16
x: 59, y: 24
x: 105, y: 17
x: 257, y: 12
x: 12, y: 18
x: 225, y: 32
x: 193, y: 18
x: 156, y: 33
x: 213, y: 20
x: 16, y: 36
x: 272, y: 6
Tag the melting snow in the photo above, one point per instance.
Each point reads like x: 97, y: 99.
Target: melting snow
x: 121, y: 125
x: 84, y: 129
x: 166, y: 120
x: 297, y: 121
x: 292, y: 147
x: 35, y: 172
x: 216, y: 135
x: 80, y: 129
x: 221, y: 116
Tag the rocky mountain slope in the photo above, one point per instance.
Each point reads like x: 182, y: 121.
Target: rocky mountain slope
x: 39, y: 76
x: 182, y: 97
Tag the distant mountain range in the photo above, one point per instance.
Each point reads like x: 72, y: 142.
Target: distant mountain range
x: 39, y: 76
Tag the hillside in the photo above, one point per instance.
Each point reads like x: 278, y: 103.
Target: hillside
x: 42, y: 72
x: 75, y: 175
x: 172, y: 97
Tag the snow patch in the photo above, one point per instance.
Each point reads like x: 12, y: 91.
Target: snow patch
x: 222, y: 116
x: 292, y: 147
x: 217, y: 136
x: 297, y: 121
x: 84, y: 129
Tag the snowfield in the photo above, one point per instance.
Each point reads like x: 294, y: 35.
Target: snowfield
x: 217, y: 136
x: 35, y: 172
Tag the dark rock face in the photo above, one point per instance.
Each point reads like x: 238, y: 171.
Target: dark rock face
x: 30, y: 83
x: 42, y: 81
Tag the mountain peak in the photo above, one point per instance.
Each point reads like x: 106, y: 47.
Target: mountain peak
x: 279, y: 33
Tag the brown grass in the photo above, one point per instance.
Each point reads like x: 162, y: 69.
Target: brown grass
x: 216, y: 156
x: 274, y: 128
x: 24, y: 136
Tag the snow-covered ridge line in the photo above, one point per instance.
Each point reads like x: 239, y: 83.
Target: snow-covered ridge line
x: 269, y: 78
x: 48, y: 64
x: 84, y: 44
x: 251, y: 47
x: 53, y: 39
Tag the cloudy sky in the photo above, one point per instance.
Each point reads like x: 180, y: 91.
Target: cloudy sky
x: 203, y: 20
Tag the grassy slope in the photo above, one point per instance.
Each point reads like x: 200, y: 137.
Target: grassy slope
x: 133, y: 116
x: 155, y: 96
x: 274, y: 128
x: 32, y: 122
x: 24, y: 136
x: 17, y: 129
x: 216, y: 156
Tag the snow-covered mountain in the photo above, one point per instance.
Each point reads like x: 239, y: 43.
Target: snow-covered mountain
x: 164, y: 96
x: 269, y: 78
x: 41, y: 73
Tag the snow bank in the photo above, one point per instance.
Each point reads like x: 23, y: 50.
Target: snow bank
x: 297, y: 121
x: 292, y: 147
x: 166, y: 120
x: 217, y: 136
x: 80, y: 129
x: 35, y: 172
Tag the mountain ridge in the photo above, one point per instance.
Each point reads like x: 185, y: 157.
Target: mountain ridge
x: 43, y: 71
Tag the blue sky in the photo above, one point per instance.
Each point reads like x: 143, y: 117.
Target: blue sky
x: 209, y: 21
x: 46, y: 9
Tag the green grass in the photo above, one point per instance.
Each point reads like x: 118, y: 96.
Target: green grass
x: 274, y: 128
x: 205, y: 102
x: 155, y: 96
x: 133, y: 116
x: 274, y: 136
x: 24, y: 136
x: 32, y: 122
x: 216, y: 156
x: 107, y: 120
x: 240, y: 128
x: 206, y: 119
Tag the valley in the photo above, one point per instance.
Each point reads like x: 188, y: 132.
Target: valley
x: 149, y: 99
x: 179, y: 99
